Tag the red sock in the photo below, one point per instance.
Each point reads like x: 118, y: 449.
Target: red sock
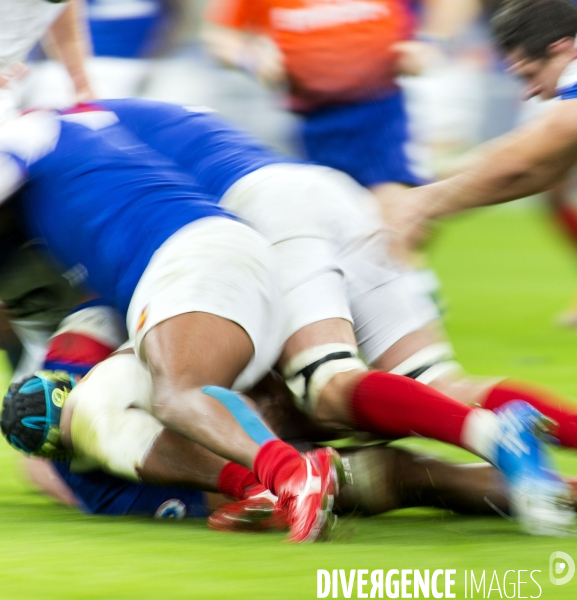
x: 237, y: 481
x: 544, y: 401
x: 275, y: 463
x: 566, y: 215
x: 399, y: 406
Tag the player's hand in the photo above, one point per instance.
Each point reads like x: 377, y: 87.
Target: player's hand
x: 415, y: 57
x: 267, y: 62
x: 408, y: 224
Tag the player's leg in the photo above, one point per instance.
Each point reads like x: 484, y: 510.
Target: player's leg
x: 425, y: 355
x: 382, y: 478
x: 331, y: 384
x: 334, y: 250
x: 198, y: 317
x: 370, y: 141
x: 106, y: 420
x: 320, y: 359
x: 386, y: 478
x: 203, y: 316
x: 188, y: 353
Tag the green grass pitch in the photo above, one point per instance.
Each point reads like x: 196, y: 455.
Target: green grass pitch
x: 505, y: 274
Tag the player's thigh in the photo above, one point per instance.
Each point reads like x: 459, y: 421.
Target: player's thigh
x: 195, y: 349
x: 314, y: 218
x: 427, y: 356
x: 393, y: 320
x: 409, y: 345
x: 370, y: 141
x: 328, y: 331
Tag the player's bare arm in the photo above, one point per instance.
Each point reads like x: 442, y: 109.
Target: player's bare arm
x: 533, y: 158
x: 256, y: 54
x: 527, y: 161
x: 441, y: 23
x: 69, y: 39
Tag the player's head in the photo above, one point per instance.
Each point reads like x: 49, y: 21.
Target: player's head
x: 538, y: 39
x: 31, y: 413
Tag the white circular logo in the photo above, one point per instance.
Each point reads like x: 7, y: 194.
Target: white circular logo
x: 171, y: 509
x: 561, y: 568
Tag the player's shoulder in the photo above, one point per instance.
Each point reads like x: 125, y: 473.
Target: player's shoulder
x: 562, y: 118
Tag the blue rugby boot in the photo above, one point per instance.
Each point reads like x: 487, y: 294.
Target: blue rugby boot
x: 541, y: 501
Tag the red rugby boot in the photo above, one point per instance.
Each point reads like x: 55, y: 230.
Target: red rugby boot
x: 308, y: 496
x: 257, y: 513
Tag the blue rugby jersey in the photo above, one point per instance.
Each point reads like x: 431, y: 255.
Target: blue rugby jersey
x: 218, y: 154
x: 100, y: 493
x: 102, y: 201
x: 214, y: 152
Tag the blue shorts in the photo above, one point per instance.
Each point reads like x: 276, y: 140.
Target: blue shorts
x: 124, y: 38
x: 368, y: 140
x: 102, y: 494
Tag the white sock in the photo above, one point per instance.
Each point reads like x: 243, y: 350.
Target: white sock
x: 481, y: 431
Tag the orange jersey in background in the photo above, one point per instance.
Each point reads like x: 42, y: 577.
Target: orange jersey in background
x: 336, y: 51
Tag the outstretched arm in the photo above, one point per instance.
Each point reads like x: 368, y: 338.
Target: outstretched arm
x: 526, y: 161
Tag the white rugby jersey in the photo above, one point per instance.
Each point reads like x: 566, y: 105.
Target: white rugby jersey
x: 22, y: 25
x: 567, y: 84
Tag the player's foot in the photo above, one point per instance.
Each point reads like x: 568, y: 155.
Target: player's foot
x: 308, y: 496
x: 257, y: 513
x: 540, y: 500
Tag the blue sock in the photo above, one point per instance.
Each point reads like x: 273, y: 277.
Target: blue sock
x: 245, y: 416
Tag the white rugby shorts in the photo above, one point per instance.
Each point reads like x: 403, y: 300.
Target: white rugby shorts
x: 218, y: 266
x: 329, y: 243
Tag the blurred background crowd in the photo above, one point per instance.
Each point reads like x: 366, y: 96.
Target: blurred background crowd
x: 184, y: 51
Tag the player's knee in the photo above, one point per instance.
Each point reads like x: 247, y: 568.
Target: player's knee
x: 319, y: 377
x: 163, y: 405
x: 168, y: 401
x: 430, y: 364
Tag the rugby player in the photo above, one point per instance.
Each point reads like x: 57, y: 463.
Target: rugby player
x: 537, y: 38
x: 194, y: 282
x: 31, y: 293
x: 339, y: 62
x: 319, y: 359
x: 382, y: 478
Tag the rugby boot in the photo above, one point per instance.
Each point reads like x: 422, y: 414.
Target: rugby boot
x: 540, y: 500
x: 256, y: 513
x: 308, y: 496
